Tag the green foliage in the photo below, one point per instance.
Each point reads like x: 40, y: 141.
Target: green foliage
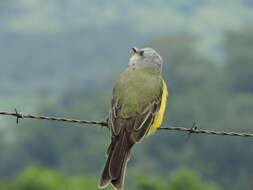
x: 143, y: 182
x: 38, y: 178
x: 41, y: 179
x: 183, y: 179
x: 188, y: 180
x: 184, y: 69
x: 239, y: 48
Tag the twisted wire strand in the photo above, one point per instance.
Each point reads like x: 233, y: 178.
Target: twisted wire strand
x: 190, y: 131
x: 22, y: 116
x: 208, y: 132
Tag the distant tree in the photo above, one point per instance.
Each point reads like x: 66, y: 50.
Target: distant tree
x: 184, y: 68
x: 38, y: 178
x: 185, y: 179
x: 180, y: 179
x: 149, y: 183
x: 238, y: 49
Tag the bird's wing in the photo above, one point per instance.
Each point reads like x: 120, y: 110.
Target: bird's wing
x: 136, y: 126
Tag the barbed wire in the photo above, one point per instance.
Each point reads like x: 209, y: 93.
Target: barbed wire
x: 19, y: 115
x: 193, y: 129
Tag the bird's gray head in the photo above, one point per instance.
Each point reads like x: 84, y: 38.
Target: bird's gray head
x: 146, y: 57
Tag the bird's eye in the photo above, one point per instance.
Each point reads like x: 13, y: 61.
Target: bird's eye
x: 141, y: 52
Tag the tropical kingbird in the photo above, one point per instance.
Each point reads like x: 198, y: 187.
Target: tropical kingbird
x: 137, y: 108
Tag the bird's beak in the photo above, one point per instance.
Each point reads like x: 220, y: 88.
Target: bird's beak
x: 135, y: 49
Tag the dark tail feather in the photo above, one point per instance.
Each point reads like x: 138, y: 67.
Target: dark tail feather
x: 119, y: 182
x: 118, y: 155
x: 105, y: 177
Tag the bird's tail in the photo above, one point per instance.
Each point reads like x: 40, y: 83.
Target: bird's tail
x: 114, y: 171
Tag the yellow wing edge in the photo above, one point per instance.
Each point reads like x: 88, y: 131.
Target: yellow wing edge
x: 159, y: 115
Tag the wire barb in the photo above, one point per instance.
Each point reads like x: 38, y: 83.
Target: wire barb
x: 18, y: 115
x: 193, y: 129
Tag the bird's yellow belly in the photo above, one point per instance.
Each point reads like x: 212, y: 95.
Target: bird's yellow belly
x: 159, y: 116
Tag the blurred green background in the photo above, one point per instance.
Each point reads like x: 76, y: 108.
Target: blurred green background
x: 61, y: 57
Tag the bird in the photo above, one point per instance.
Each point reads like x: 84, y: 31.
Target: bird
x: 137, y: 107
